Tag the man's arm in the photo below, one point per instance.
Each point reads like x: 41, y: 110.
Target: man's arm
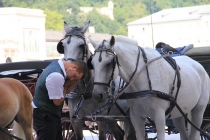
x: 69, y: 86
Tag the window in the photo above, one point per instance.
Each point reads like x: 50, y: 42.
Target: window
x: 30, y: 39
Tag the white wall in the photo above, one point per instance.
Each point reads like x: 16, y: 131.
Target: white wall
x: 20, y: 27
x: 176, y: 33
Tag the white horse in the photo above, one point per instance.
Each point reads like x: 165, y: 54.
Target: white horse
x: 74, y: 46
x: 192, y: 97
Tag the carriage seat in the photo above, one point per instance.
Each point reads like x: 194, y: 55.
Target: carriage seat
x: 125, y: 39
x: 165, y: 48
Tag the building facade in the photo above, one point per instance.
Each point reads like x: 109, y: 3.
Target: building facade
x: 22, y: 34
x: 177, y: 27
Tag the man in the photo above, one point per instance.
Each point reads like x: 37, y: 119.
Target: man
x: 58, y: 79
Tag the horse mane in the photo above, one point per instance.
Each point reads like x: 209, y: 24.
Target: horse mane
x: 75, y: 31
x: 88, y: 51
x: 125, y: 39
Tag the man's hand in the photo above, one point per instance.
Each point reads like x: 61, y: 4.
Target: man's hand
x: 69, y: 85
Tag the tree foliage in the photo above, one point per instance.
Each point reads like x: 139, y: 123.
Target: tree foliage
x: 124, y: 11
x: 54, y: 20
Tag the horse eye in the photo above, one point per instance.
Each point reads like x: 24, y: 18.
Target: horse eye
x: 82, y: 45
x: 108, y: 64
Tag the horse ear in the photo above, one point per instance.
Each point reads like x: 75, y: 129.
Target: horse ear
x: 66, y: 27
x: 92, y: 42
x: 85, y: 27
x: 112, y: 41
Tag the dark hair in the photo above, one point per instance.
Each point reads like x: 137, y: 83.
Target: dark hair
x: 82, y: 66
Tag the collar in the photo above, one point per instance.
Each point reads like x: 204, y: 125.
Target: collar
x: 60, y: 62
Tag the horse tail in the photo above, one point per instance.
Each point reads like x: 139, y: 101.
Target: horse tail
x: 18, y: 131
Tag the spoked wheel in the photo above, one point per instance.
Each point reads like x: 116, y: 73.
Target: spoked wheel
x: 67, y: 129
x: 206, y: 129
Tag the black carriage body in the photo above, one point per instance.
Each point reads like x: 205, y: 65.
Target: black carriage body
x: 202, y: 55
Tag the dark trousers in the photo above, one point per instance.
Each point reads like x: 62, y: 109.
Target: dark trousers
x: 47, y: 125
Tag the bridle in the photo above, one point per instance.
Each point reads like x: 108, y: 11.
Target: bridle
x: 80, y: 35
x: 84, y: 57
x: 115, y: 62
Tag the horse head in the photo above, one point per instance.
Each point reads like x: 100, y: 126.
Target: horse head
x: 104, y: 62
x: 74, y: 45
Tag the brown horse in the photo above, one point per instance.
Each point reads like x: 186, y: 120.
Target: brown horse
x: 15, y: 104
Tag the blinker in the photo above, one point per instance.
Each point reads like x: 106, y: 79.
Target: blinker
x: 60, y: 47
x: 89, y: 65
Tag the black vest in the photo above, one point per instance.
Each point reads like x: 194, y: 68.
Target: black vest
x: 41, y: 97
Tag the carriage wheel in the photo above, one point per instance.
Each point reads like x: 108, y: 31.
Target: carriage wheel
x: 206, y: 129
x: 67, y: 129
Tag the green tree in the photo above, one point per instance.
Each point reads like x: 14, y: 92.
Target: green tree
x: 54, y: 20
x: 138, y: 10
x: 120, y: 14
x: 81, y: 18
x: 124, y: 11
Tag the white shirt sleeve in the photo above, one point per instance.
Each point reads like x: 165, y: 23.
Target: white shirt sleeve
x: 54, y: 85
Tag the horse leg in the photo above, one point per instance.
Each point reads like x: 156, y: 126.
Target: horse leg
x: 180, y: 126
x: 138, y: 124
x: 78, y: 128
x: 102, y: 129
x: 128, y: 130
x: 197, y: 118
x: 24, y: 119
x: 159, y: 119
x: 116, y: 130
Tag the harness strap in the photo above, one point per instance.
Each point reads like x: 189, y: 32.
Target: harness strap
x: 15, y: 137
x: 133, y: 79
x: 120, y: 109
x: 109, y: 102
x: 78, y: 106
x: 145, y: 93
x: 145, y: 61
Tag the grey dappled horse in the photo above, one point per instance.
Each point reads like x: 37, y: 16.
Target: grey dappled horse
x: 146, y: 64
x: 74, y: 46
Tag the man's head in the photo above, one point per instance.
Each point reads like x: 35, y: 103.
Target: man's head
x: 75, y: 69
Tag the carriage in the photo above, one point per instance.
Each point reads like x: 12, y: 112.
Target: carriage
x: 30, y: 71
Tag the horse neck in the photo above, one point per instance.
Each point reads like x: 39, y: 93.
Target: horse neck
x: 127, y: 57
x: 88, y: 53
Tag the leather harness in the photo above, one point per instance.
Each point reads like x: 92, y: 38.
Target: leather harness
x: 146, y: 93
